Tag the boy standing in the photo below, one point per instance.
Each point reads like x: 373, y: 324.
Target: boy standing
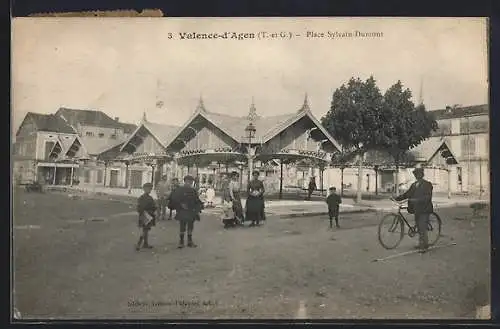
x: 333, y: 200
x: 146, y: 207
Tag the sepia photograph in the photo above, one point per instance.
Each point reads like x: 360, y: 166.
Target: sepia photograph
x: 250, y: 168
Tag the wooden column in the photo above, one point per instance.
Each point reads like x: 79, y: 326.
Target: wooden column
x: 105, y: 173
x: 449, y: 182
x: 71, y: 177
x: 321, y: 178
x: 281, y: 179
x: 55, y: 173
x: 129, y: 186
x: 480, y: 178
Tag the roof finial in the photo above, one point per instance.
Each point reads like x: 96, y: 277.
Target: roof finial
x: 421, y: 92
x: 305, y: 106
x: 144, y: 119
x: 252, y: 113
x: 201, y: 105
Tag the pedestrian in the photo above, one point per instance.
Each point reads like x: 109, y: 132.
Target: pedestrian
x: 187, y: 205
x: 210, y: 195
x: 146, y: 207
x: 311, y: 187
x: 174, y: 184
x: 235, y: 197
x: 333, y: 201
x: 419, y: 197
x: 255, y: 200
x: 162, y: 189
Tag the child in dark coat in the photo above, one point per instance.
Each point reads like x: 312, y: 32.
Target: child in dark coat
x: 333, y: 201
x: 146, y: 207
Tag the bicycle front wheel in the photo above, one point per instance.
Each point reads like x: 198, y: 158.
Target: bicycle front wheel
x: 391, y: 231
x: 434, y: 228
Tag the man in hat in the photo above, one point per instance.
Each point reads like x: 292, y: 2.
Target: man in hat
x: 162, y: 189
x: 187, y: 205
x: 419, y: 197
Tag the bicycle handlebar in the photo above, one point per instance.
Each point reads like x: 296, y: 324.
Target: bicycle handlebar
x: 401, y: 204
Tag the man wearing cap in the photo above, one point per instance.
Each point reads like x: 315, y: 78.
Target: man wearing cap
x: 187, y: 205
x: 419, y: 197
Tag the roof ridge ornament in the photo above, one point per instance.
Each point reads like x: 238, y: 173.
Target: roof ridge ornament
x: 305, y: 106
x: 201, y: 105
x: 144, y: 118
x: 252, y: 113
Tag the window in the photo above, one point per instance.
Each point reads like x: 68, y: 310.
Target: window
x: 101, y: 135
x: 89, y: 134
x: 99, y: 176
x: 459, y: 175
x: 48, y: 148
x: 113, y: 136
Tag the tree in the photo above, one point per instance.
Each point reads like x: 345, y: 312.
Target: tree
x: 354, y: 119
x: 405, y: 126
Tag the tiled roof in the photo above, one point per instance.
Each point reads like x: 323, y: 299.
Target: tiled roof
x: 88, y: 118
x: 95, y: 146
x: 161, y: 131
x: 235, y: 126
x: 460, y: 112
x: 50, y: 122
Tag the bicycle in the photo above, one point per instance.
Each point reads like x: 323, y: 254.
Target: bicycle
x: 396, y: 227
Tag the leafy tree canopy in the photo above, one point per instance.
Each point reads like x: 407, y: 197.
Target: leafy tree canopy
x: 354, y: 115
x: 405, y: 126
x: 361, y: 119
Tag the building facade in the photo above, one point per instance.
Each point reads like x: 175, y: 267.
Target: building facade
x: 46, y: 150
x: 288, y: 149
x: 467, y: 131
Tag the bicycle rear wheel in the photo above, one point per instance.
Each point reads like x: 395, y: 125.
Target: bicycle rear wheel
x: 433, y: 228
x: 391, y: 231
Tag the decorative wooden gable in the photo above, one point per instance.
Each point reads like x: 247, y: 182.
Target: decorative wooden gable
x: 149, y: 145
x: 201, y: 134
x: 143, y: 141
x: 297, y: 136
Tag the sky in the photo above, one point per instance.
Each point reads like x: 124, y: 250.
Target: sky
x: 124, y: 66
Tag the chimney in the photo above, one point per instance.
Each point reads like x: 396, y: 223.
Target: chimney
x: 117, y: 119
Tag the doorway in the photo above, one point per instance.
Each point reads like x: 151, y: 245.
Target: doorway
x: 113, y: 178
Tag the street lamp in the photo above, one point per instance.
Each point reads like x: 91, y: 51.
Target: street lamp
x: 250, y: 131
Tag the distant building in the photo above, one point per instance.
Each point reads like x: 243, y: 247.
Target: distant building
x: 99, y: 133
x: 466, y: 129
x: 462, y: 138
x: 46, y: 150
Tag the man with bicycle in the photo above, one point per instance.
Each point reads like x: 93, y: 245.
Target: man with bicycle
x: 419, y: 197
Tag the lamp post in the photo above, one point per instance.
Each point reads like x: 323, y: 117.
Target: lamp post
x: 250, y: 131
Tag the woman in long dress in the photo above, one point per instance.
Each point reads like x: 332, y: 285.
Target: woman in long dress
x: 255, y: 200
x: 234, y: 194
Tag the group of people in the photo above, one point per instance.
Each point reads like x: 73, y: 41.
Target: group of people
x: 235, y: 214
x: 184, y: 199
